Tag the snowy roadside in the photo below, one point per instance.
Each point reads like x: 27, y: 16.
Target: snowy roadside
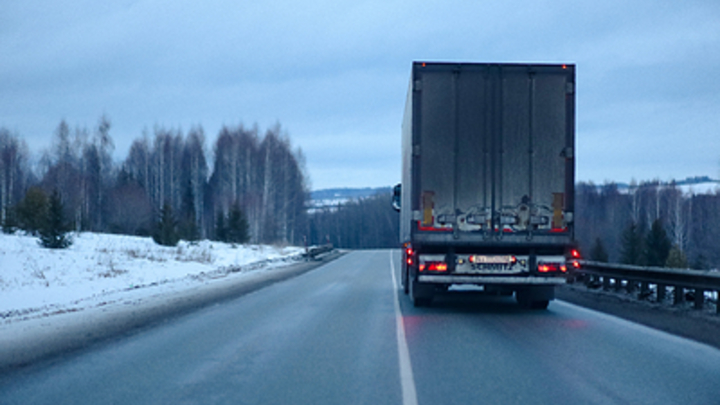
x: 100, y: 269
x: 52, y: 302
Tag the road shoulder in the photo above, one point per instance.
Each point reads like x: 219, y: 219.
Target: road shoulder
x: 33, y: 340
x: 703, y: 327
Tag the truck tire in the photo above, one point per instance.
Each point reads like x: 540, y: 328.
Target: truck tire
x: 535, y: 298
x: 542, y: 304
x: 404, y: 280
x: 420, y: 294
x: 422, y: 302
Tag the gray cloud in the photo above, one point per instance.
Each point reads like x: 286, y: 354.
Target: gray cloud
x: 334, y: 74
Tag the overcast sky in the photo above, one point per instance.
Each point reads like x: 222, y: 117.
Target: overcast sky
x: 334, y: 74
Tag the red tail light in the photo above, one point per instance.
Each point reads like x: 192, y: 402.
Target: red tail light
x: 551, y: 267
x: 438, y: 267
x: 574, y: 258
x: 434, y: 266
x: 409, y: 256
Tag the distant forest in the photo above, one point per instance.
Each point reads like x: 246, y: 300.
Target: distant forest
x: 611, y: 224
x: 618, y: 222
x: 253, y: 187
x: 361, y: 223
x: 258, y: 176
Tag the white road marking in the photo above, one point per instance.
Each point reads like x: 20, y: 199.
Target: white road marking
x: 407, y: 380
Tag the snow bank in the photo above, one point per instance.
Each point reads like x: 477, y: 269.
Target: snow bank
x: 700, y: 188
x: 99, y: 269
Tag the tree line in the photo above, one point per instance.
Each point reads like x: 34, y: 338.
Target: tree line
x: 649, y: 224
x: 251, y: 187
x: 363, y: 223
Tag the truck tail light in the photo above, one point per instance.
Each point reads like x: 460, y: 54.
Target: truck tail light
x: 438, y: 267
x: 552, y: 267
x: 575, y: 257
x: 434, y: 266
x: 409, y: 256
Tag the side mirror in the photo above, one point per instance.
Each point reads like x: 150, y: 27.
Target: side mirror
x: 397, y: 197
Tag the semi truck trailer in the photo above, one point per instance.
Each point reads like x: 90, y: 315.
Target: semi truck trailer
x: 488, y: 174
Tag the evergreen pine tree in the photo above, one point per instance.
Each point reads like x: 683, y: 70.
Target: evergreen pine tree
x: 657, y: 245
x: 53, y: 234
x: 32, y: 210
x: 237, y: 226
x: 700, y: 263
x: 10, y: 223
x: 676, y: 259
x: 632, y: 245
x: 220, y: 229
x: 598, y: 252
x: 188, y: 229
x: 166, y: 233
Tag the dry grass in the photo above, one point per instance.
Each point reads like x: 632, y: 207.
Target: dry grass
x: 112, y: 272
x: 193, y: 254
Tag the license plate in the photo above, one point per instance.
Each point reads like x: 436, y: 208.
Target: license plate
x: 489, y: 260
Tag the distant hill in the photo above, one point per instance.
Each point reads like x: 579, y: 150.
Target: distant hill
x: 690, y: 185
x: 334, y: 196
x: 696, y: 180
x: 699, y: 184
x: 347, y: 193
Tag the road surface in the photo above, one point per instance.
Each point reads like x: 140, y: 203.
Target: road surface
x: 344, y: 334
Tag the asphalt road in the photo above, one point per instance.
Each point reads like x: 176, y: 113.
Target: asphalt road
x: 331, y: 336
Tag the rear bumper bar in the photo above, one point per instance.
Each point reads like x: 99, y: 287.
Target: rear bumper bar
x: 447, y: 279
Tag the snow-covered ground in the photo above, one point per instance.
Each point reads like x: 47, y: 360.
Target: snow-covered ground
x: 100, y: 269
x: 688, y: 187
x: 700, y: 188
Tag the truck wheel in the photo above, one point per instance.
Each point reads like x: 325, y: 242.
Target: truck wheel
x: 535, y: 297
x: 542, y: 304
x: 539, y: 304
x: 404, y: 280
x: 422, y: 302
x: 420, y: 294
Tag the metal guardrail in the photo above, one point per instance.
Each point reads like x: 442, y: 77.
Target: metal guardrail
x: 313, y: 251
x: 699, y: 281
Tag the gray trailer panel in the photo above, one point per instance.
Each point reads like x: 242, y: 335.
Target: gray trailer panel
x: 483, y: 143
